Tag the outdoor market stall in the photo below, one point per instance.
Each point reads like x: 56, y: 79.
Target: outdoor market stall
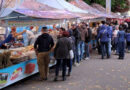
x: 19, y: 63
x: 96, y: 14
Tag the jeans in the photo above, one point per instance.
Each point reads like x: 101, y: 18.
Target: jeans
x: 77, y: 53
x: 104, y: 48
x: 69, y: 64
x: 116, y: 45
x: 87, y: 49
x: 64, y: 65
x: 121, y: 49
x: 82, y: 47
x: 128, y: 45
x: 98, y: 47
x: 109, y: 47
x: 93, y: 43
x: 117, y: 49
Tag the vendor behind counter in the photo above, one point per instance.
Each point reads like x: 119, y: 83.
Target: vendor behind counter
x: 11, y: 38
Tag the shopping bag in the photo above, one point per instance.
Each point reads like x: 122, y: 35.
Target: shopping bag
x: 71, y: 54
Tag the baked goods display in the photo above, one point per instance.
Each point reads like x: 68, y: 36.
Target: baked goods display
x: 22, y: 54
x: 5, y: 59
x: 17, y: 54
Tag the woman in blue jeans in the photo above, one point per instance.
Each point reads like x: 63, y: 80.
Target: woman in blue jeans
x: 61, y: 54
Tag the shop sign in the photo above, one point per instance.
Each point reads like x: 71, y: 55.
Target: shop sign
x: 17, y: 72
x: 32, y: 23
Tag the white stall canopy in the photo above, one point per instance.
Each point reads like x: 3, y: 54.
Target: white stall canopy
x: 62, y: 4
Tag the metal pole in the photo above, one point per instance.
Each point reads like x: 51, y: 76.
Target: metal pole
x: 108, y: 6
x: 1, y: 4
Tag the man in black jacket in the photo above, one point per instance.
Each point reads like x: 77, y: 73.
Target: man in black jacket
x: 77, y: 36
x: 42, y: 46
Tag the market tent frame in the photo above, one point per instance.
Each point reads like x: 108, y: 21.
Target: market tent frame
x: 81, y: 4
x: 8, y: 6
x: 103, y: 10
x: 28, y: 14
x: 37, y: 9
x: 62, y: 5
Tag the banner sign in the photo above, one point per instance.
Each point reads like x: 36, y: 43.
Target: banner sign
x: 18, y: 72
x: 21, y: 23
x: 108, y: 6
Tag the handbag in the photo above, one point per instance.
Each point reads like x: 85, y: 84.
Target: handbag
x: 71, y: 54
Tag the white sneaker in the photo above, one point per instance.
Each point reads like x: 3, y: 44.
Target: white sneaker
x: 76, y: 64
x: 87, y: 58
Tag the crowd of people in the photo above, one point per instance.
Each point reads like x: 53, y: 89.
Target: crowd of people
x: 74, y: 45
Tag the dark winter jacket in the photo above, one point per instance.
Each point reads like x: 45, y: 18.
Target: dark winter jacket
x: 77, y: 35
x: 44, y: 43
x: 62, y: 48
x: 88, y: 35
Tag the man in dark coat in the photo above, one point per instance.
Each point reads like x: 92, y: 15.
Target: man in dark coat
x: 77, y: 36
x: 42, y: 46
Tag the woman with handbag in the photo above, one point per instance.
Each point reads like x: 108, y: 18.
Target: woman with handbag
x: 61, y: 54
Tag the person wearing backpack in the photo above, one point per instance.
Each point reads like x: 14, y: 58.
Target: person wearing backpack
x: 88, y: 38
x: 104, y: 39
x: 121, y: 42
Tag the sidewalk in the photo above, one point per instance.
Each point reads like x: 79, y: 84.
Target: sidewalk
x: 93, y: 74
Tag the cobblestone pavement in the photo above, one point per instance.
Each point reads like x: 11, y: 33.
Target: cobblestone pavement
x: 93, y: 74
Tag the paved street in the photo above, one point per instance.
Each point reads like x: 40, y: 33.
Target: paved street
x: 94, y: 74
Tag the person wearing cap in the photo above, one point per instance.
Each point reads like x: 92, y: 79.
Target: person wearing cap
x: 76, y: 34
x: 42, y: 46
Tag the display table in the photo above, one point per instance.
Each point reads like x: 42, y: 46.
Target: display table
x: 18, y: 72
